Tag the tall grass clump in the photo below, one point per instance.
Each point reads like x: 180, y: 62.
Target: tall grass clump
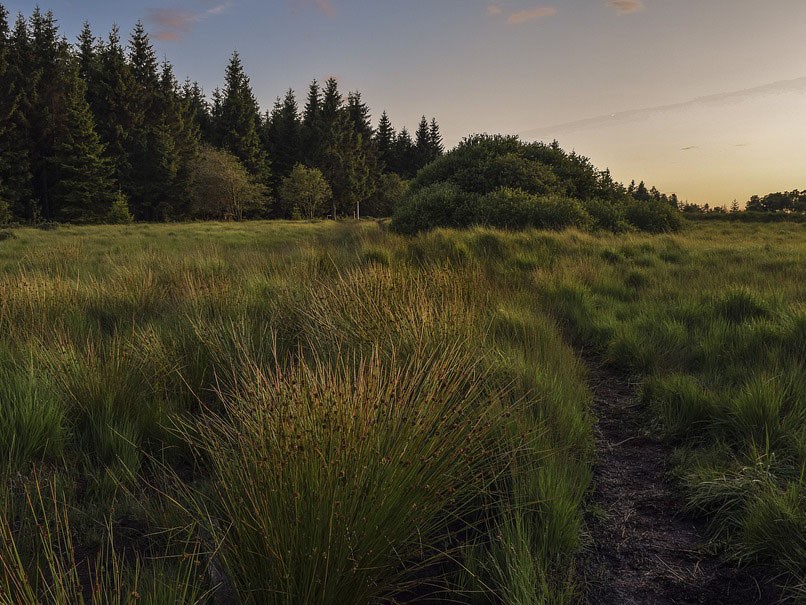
x: 33, y: 422
x: 337, y: 484
x: 39, y: 561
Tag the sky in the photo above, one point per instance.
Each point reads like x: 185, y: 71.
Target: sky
x: 705, y: 98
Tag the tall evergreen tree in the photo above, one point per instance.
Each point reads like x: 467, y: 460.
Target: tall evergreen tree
x: 283, y: 136
x: 83, y: 186
x: 152, y: 152
x: 237, y: 120
x: 199, y: 108
x: 15, y: 170
x: 312, y: 130
x: 359, y: 115
x: 384, y: 142
x: 405, y: 155
x: 117, y: 115
x: 435, y: 140
x: 422, y: 144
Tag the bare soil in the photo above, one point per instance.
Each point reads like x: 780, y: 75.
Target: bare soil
x: 645, y: 550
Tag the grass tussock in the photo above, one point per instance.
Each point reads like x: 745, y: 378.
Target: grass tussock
x: 307, y: 412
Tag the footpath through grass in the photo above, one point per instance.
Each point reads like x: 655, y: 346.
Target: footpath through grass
x: 332, y: 413
x: 714, y: 321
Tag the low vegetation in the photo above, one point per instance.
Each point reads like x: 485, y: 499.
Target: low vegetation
x: 329, y: 412
x: 502, y: 182
x: 287, y: 413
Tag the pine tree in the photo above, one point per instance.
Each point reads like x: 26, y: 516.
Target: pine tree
x: 384, y: 142
x: 199, y: 108
x: 151, y: 150
x: 435, y: 140
x: 312, y: 126
x: 283, y: 136
x: 332, y: 103
x: 237, y: 120
x: 83, y: 189
x: 423, y: 144
x: 405, y: 155
x: 641, y: 193
x: 15, y: 176
x: 117, y: 115
x: 360, y: 117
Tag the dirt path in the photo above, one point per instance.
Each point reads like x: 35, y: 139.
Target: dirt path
x: 645, y: 551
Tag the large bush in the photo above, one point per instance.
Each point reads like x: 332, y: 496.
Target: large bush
x: 655, y: 217
x: 485, y: 163
x: 516, y: 209
x: 500, y: 181
x: 390, y: 192
x: 439, y: 205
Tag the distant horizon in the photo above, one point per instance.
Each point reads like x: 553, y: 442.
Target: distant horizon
x: 683, y: 96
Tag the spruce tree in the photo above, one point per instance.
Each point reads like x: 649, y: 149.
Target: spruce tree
x: 117, y: 114
x: 15, y: 170
x: 359, y: 115
x: 199, y: 108
x: 423, y: 144
x: 312, y: 126
x: 151, y: 150
x: 237, y: 120
x: 384, y: 142
x: 83, y: 187
x: 405, y: 155
x: 435, y: 140
x: 283, y: 136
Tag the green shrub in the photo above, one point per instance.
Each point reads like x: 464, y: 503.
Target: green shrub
x: 654, y: 217
x: 607, y: 215
x: 119, y: 213
x: 440, y: 205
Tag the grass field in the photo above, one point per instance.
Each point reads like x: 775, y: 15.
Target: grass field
x: 295, y: 412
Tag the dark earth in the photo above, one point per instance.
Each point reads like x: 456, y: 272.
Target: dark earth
x: 645, y: 550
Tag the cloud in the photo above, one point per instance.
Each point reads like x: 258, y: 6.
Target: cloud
x: 494, y: 10
x: 323, y: 6
x: 778, y: 88
x: 530, y: 14
x: 625, y: 7
x: 173, y: 23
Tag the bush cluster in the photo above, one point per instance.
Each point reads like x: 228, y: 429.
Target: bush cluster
x: 445, y: 204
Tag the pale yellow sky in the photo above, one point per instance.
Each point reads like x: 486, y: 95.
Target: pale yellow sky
x: 710, y: 150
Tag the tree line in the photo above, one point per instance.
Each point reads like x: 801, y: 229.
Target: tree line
x: 101, y: 130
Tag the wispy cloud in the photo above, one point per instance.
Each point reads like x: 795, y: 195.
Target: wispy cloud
x: 781, y: 87
x: 323, y: 6
x: 494, y: 10
x: 174, y: 23
x: 625, y: 7
x: 531, y: 14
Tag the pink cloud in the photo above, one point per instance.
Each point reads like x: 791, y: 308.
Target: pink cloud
x: 323, y: 6
x: 494, y: 10
x: 625, y: 7
x: 174, y: 23
x: 530, y: 14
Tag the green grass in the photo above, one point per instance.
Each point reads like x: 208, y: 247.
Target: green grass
x: 332, y: 413
x: 315, y: 412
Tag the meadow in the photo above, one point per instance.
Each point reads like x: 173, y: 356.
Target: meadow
x: 286, y: 412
